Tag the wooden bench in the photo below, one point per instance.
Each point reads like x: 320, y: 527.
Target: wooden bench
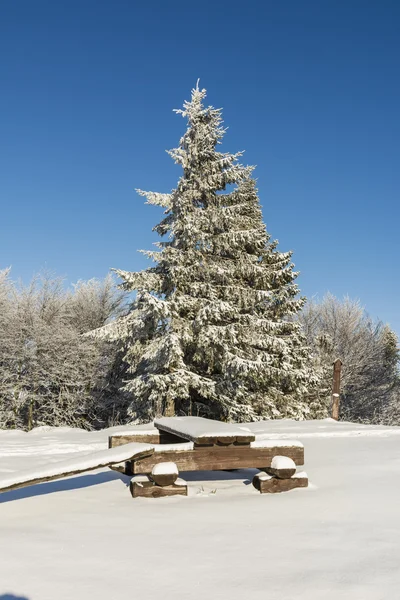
x: 76, y: 465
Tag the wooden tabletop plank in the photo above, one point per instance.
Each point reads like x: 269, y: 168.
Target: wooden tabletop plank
x: 205, y: 432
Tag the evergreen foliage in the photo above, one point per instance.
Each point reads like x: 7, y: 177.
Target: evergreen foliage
x: 211, y: 331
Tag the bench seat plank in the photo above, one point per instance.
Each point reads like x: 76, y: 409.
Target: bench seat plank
x: 75, y: 465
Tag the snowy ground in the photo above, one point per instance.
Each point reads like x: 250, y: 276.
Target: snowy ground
x: 85, y: 537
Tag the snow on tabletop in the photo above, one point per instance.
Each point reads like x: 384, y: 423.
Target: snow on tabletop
x: 165, y: 468
x: 275, y: 443
x: 198, y: 427
x: 282, y: 462
x: 83, y: 462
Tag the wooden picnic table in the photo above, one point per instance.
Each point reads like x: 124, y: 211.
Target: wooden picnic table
x: 199, y: 444
x: 184, y: 443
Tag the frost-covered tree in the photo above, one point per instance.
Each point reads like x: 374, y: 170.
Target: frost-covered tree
x: 369, y: 352
x: 49, y: 373
x: 210, y: 332
x: 93, y: 303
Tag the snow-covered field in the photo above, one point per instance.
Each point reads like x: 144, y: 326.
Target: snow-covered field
x: 85, y: 537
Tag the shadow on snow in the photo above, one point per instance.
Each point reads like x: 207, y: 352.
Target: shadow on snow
x: 12, y: 597
x: 61, y: 485
x: 84, y: 481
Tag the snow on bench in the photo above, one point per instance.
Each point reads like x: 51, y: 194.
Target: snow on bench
x: 164, y: 473
x: 276, y: 444
x: 204, y: 431
x: 76, y: 465
x: 265, y: 477
x: 165, y: 468
x: 282, y: 467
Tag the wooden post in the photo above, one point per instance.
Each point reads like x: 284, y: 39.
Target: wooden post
x: 30, y: 414
x: 337, y: 367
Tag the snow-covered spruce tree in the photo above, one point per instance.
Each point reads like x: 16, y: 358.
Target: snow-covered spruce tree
x: 210, y: 332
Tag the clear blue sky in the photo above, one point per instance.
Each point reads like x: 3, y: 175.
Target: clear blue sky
x: 310, y: 89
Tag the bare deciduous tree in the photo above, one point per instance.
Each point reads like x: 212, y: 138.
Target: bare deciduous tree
x: 50, y: 374
x: 367, y: 348
x: 93, y: 303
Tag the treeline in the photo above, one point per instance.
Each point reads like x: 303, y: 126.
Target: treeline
x: 370, y: 383
x: 51, y: 373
